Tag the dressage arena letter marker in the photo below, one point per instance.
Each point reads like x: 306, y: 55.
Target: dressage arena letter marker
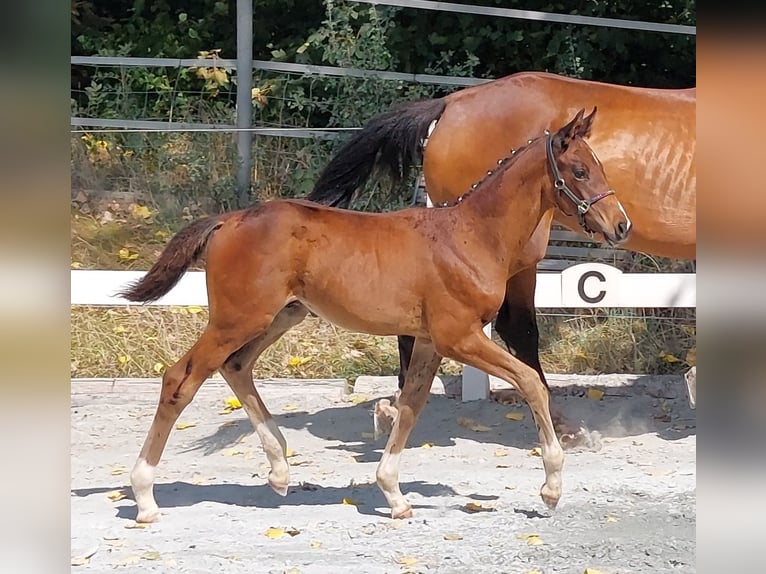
x: 590, y: 285
x: 581, y: 287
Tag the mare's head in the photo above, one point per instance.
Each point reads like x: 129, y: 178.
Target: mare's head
x: 579, y: 183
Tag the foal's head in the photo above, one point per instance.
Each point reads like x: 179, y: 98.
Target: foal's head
x: 580, y: 186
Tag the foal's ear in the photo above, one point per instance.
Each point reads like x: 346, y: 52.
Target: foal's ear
x: 584, y: 127
x: 568, y: 132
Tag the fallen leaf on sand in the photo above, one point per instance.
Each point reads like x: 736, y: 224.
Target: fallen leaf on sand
x: 130, y: 560
x: 230, y: 452
x: 595, y: 394
x: 131, y: 525
x: 289, y: 452
x: 351, y: 502
x: 514, y: 416
x: 81, y: 560
x: 316, y: 544
x: 534, y: 572
x: 293, y: 571
x: 116, y: 471
x: 289, y: 408
x: 406, y: 560
x: 230, y: 404
x: 501, y: 465
x: 427, y: 445
x: 473, y: 425
x: 610, y: 518
x: 453, y: 536
x: 532, y: 539
x: 151, y: 555
x: 358, y: 399
x: 476, y: 507
x: 280, y: 532
x: 501, y: 453
x: 592, y: 571
x: 183, y: 426
x: 537, y: 451
x: 116, y: 495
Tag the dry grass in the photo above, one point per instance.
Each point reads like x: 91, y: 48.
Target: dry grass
x: 143, y: 341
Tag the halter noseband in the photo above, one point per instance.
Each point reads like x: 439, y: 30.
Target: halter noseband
x: 582, y: 205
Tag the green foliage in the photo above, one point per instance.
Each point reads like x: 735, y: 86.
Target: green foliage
x: 337, y: 33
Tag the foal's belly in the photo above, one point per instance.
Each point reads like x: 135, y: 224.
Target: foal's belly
x: 367, y: 316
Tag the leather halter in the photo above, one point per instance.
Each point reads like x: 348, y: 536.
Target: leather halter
x: 582, y: 205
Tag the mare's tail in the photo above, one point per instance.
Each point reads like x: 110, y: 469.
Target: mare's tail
x: 390, y: 142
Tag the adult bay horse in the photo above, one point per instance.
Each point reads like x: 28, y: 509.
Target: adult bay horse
x: 436, y: 275
x: 646, y: 141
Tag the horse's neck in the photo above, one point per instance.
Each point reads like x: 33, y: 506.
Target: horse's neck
x: 509, y: 207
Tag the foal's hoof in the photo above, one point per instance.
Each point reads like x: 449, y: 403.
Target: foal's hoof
x: 148, y: 516
x: 403, y: 513
x: 550, y: 497
x: 278, y: 486
x: 384, y: 416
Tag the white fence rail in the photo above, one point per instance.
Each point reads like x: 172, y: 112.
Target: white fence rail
x: 579, y: 286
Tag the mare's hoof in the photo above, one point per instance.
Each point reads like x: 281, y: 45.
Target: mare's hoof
x: 384, y: 416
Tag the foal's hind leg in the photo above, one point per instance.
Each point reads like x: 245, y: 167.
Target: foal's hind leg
x: 179, y: 385
x: 477, y: 350
x: 238, y: 372
x: 420, y: 376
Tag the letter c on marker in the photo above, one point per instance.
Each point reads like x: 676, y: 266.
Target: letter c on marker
x: 581, y: 287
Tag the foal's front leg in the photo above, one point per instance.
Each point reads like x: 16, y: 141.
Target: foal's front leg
x: 477, y: 350
x: 420, y: 375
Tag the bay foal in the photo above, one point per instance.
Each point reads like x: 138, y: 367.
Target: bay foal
x: 437, y: 275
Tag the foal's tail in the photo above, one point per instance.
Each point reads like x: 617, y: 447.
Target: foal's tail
x: 390, y: 142
x: 182, y: 250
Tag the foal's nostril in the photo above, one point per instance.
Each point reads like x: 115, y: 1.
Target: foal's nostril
x: 622, y: 229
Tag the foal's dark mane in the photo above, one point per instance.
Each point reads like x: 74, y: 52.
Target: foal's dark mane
x: 503, y: 164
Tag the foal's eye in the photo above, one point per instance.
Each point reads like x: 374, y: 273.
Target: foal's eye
x: 580, y: 173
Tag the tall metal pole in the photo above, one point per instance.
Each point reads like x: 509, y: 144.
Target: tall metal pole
x: 244, y: 98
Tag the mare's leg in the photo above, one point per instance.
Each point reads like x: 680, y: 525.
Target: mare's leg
x: 179, y: 385
x: 516, y: 324
x: 420, y: 375
x: 385, y: 412
x: 477, y: 350
x: 238, y: 372
x: 405, y: 354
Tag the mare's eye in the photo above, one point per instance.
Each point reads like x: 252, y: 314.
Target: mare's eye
x: 580, y: 173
